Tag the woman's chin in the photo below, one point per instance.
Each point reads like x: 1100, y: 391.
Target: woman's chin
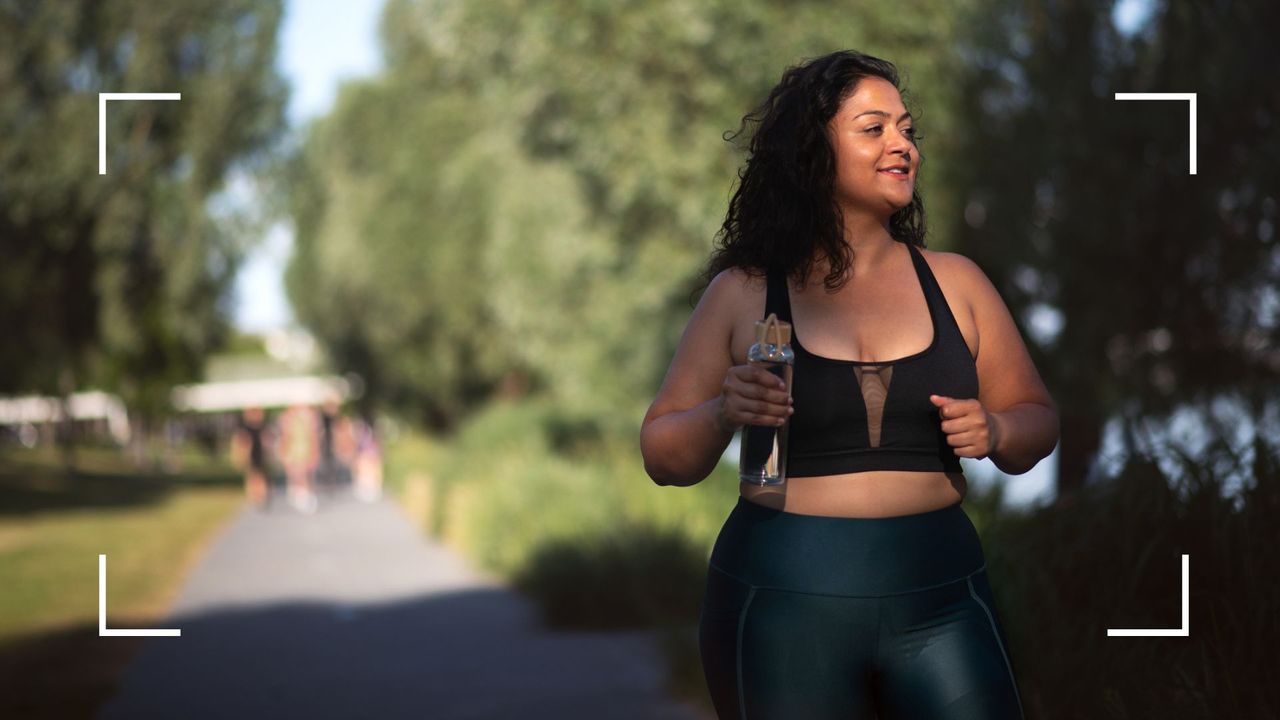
x: 902, y: 203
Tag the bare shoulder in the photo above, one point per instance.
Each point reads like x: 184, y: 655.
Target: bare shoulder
x: 735, y: 284
x: 972, y: 297
x: 960, y: 277
x: 736, y: 298
x: 955, y: 266
x: 710, y: 344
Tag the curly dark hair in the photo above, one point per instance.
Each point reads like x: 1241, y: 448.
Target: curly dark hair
x: 783, y: 214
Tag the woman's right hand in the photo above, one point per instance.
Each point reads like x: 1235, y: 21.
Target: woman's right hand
x: 752, y: 395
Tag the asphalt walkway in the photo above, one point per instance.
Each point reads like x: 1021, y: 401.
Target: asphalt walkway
x: 353, y: 613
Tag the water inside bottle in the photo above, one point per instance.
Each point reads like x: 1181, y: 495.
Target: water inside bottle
x: 764, y: 448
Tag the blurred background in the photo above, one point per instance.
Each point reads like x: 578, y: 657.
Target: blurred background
x: 474, y: 229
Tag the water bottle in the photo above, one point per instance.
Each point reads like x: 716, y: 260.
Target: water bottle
x: 763, y: 460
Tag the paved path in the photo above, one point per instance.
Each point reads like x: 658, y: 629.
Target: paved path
x: 352, y: 613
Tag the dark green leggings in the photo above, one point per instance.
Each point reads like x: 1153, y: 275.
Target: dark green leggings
x: 808, y: 617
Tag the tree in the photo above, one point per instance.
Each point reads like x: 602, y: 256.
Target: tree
x: 120, y: 280
x: 564, y: 163
x: 1082, y: 210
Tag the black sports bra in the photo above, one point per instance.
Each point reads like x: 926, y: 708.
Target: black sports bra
x: 854, y: 416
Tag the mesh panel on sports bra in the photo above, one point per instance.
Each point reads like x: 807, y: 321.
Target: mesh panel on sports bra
x: 874, y: 381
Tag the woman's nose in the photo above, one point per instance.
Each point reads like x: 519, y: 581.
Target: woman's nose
x: 901, y: 143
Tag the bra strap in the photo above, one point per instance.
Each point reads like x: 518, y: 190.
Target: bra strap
x: 776, y: 297
x: 933, y: 294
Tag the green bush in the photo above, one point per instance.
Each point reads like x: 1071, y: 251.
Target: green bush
x: 632, y: 576
x: 522, y: 477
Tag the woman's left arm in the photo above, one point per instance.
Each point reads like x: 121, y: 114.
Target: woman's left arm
x: 1013, y: 420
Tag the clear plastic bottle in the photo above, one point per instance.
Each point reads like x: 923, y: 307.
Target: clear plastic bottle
x: 763, y: 460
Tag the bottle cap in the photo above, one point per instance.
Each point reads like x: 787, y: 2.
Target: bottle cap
x: 772, y: 331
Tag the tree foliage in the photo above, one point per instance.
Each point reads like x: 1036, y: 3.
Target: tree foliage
x: 119, y: 280
x: 1082, y: 209
x: 530, y: 191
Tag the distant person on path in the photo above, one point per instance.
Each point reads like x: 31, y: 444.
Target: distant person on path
x: 300, y: 455
x: 368, y: 465
x: 337, y: 449
x: 857, y: 587
x: 249, y: 453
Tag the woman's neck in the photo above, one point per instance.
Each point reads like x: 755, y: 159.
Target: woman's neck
x: 871, y: 243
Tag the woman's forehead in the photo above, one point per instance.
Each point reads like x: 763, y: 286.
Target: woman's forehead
x: 874, y: 93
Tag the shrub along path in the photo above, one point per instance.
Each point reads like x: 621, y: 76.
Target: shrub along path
x: 352, y: 613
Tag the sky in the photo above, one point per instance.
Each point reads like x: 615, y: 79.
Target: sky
x: 324, y: 42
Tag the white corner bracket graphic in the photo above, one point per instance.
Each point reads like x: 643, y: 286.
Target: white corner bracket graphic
x: 103, y: 631
x: 1183, y: 631
x: 1191, y: 110
x: 102, y: 118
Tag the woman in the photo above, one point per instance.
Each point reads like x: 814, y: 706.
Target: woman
x: 857, y: 589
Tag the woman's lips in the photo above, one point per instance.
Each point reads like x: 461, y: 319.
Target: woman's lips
x: 894, y: 175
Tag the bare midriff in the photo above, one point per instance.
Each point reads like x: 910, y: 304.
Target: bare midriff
x: 877, y: 493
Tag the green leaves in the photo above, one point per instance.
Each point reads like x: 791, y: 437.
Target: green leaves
x: 533, y: 189
x: 119, y: 280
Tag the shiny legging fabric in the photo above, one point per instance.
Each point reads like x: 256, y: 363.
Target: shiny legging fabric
x: 809, y: 617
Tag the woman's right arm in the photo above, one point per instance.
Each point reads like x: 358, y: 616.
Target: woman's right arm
x: 704, y: 397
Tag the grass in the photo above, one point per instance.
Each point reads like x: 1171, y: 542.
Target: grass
x: 53, y: 525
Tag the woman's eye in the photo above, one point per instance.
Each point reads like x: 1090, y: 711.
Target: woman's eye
x: 909, y: 132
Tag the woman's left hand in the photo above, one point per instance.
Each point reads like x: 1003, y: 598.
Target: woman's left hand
x: 972, y: 432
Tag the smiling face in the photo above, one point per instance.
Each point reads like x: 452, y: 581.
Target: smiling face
x: 870, y: 133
